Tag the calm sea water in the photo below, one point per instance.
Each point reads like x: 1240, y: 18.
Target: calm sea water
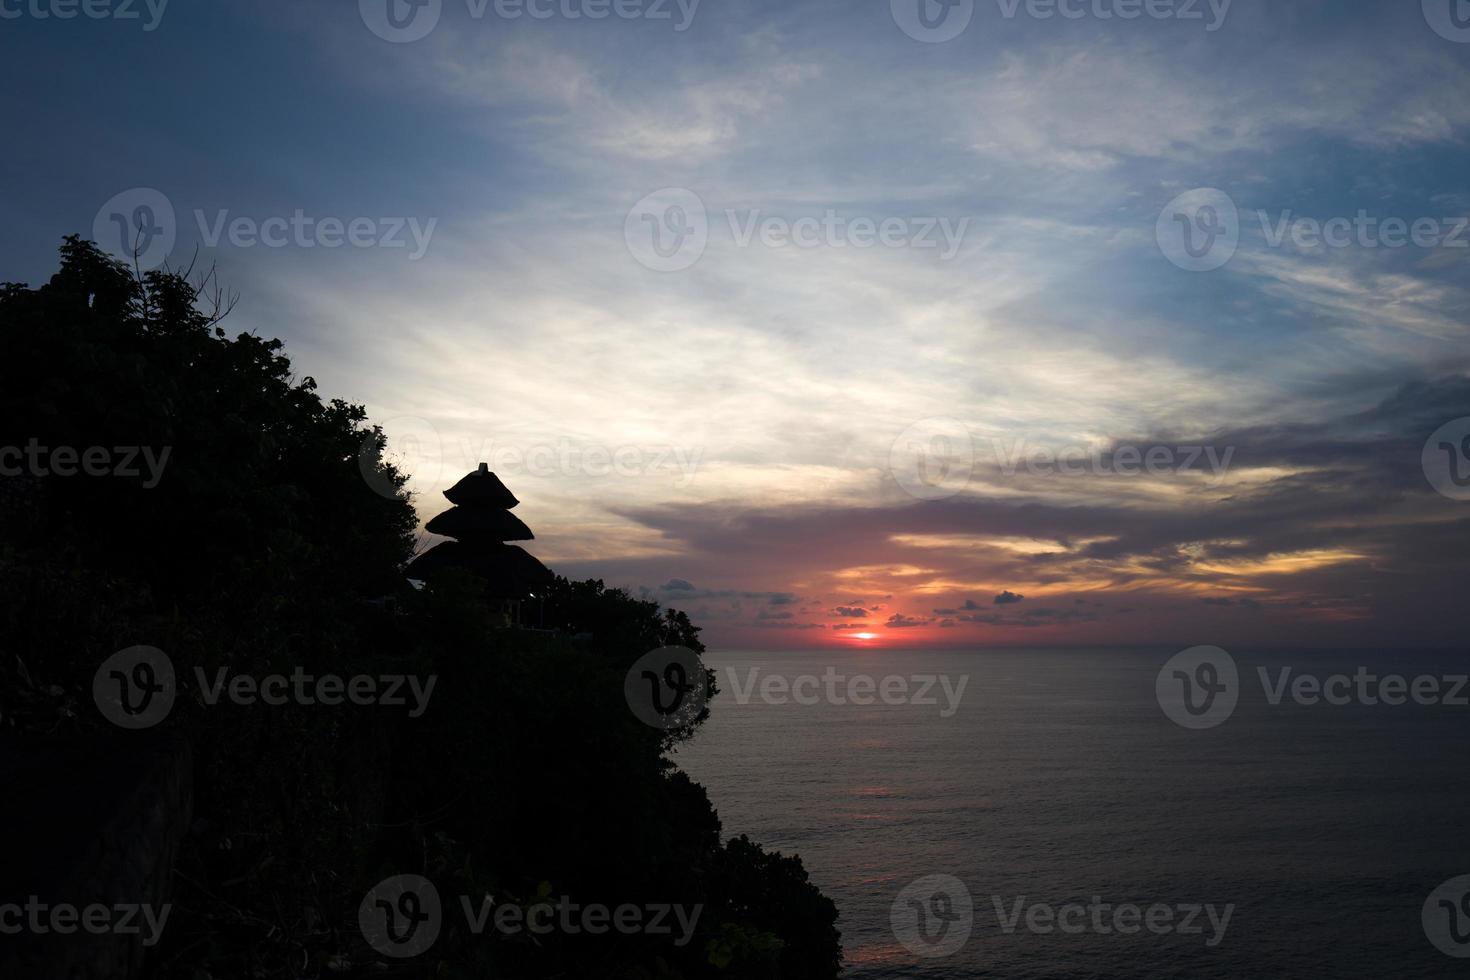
x: 1059, y: 778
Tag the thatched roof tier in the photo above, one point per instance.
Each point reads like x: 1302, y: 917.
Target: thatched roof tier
x: 509, y: 572
x: 481, y: 489
x: 478, y: 524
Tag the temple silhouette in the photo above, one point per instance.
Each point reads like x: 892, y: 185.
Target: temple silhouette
x: 480, y: 523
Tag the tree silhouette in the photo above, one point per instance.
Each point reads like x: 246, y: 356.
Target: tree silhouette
x: 251, y: 549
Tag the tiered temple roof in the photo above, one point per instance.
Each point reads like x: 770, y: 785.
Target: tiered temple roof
x: 481, y: 522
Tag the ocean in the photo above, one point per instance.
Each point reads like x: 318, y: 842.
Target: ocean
x: 1053, y: 821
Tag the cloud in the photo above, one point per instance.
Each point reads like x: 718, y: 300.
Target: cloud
x: 900, y: 621
x: 1007, y: 597
x: 1332, y: 517
x: 1324, y: 370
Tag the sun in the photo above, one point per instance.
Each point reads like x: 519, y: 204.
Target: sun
x: 864, y: 636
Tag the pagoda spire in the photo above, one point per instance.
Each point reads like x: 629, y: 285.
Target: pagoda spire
x: 480, y: 523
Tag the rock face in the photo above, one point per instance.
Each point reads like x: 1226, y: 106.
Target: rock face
x: 481, y: 522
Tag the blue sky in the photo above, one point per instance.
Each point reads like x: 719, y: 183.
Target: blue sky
x: 766, y: 396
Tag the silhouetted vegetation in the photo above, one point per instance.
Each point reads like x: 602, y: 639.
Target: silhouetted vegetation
x: 259, y: 550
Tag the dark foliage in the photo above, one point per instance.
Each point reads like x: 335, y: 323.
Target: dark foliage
x: 272, y: 524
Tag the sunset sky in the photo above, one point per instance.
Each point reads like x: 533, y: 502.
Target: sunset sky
x: 799, y: 441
